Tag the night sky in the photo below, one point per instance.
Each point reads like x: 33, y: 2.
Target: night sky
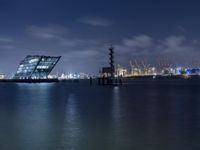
x: 81, y: 31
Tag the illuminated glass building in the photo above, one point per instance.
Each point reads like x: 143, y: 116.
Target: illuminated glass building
x: 36, y: 67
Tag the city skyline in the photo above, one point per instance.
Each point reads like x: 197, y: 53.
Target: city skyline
x: 82, y: 31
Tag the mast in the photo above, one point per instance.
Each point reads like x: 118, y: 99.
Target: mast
x: 111, y: 53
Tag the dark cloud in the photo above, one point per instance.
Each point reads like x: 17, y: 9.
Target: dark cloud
x: 96, y: 21
x: 178, y: 50
x: 181, y: 29
x: 52, y: 31
x: 6, y: 40
x: 141, y: 41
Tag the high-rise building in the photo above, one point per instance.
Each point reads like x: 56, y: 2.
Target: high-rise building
x: 36, y: 67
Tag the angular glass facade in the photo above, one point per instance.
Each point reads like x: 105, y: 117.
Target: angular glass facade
x: 36, y: 67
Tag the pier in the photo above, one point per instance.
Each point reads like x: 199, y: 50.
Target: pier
x: 109, y: 81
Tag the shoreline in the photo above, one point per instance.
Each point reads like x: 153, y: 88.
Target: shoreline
x: 94, y: 80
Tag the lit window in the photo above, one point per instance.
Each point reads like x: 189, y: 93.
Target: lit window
x: 33, y: 60
x: 42, y: 67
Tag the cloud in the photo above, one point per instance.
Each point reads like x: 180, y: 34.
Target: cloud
x: 7, y: 43
x: 175, y: 44
x: 7, y: 47
x: 82, y: 53
x: 77, y: 42
x: 52, y: 31
x: 6, y: 40
x: 141, y: 41
x: 76, y: 51
x: 174, y: 41
x: 178, y: 49
x: 95, y: 21
x: 181, y: 29
x: 82, y: 49
x: 146, y: 43
x: 70, y: 48
x: 86, y: 55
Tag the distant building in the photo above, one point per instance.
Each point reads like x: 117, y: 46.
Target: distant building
x: 107, y: 71
x: 193, y: 71
x: 120, y: 71
x: 136, y: 72
x: 2, y: 76
x: 36, y: 67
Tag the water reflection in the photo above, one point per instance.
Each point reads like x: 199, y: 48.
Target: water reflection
x: 7, y: 117
x: 59, y: 116
x: 115, y: 113
x: 32, y: 119
x: 71, y: 131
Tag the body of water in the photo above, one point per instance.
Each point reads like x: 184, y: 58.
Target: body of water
x: 63, y: 116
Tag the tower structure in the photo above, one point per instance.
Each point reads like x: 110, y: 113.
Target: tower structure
x: 112, y: 67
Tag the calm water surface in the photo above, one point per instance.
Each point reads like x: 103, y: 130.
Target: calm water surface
x: 61, y: 116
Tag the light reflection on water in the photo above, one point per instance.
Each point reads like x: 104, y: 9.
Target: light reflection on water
x: 71, y: 132
x: 116, y: 117
x: 82, y: 117
x: 33, y: 116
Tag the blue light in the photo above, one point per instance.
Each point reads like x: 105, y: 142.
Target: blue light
x: 178, y: 70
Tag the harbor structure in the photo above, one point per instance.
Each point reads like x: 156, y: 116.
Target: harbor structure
x: 36, y: 67
x: 110, y: 70
x: 108, y: 74
x: 111, y: 49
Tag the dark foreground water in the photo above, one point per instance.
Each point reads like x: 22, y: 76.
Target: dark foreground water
x: 141, y: 116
